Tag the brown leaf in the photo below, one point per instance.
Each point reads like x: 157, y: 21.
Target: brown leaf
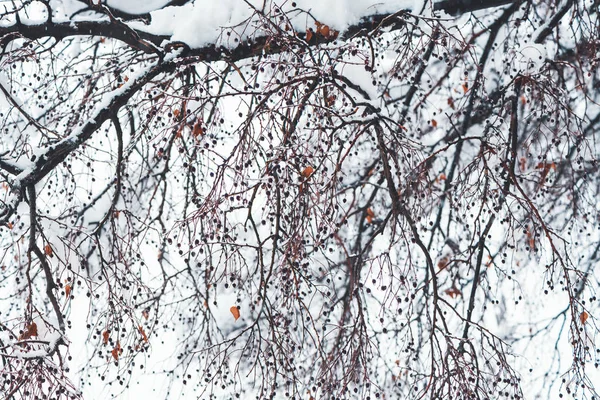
x: 324, y: 31
x: 67, y: 290
x: 434, y: 123
x: 145, y: 314
x: 453, y: 292
x: 522, y: 163
x: 443, y: 263
x: 370, y: 215
x: 309, y: 34
x: 105, y: 336
x: 116, y: 352
x: 48, y: 250
x: 235, y: 312
x: 465, y: 87
x: 143, y: 333
x: 451, y: 103
x: 30, y: 330
x: 307, y: 172
x: 583, y: 317
x: 198, y: 131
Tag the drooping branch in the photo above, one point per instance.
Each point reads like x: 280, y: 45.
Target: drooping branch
x: 138, y: 39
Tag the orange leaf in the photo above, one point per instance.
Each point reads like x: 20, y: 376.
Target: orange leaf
x: 309, y: 35
x: 583, y: 317
x: 434, y: 123
x: 453, y: 292
x: 465, y: 87
x: 30, y: 330
x: 443, y: 263
x: 10, y: 225
x: 235, y: 311
x: 522, y: 163
x: 523, y: 100
x: 307, y: 172
x: 324, y: 30
x: 48, y: 250
x: 67, y: 290
x: 370, y: 215
x: 176, y: 113
x: 116, y: 352
x: 198, y: 131
x: 451, y: 103
x: 143, y: 334
x: 105, y: 335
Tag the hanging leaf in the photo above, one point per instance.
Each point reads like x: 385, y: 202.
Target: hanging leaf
x: 307, y: 172
x: 443, y: 263
x: 583, y: 317
x: 451, y: 103
x: 67, y: 290
x: 143, y: 333
x: 105, y: 336
x: 116, y: 352
x: 198, y: 131
x: 145, y: 314
x: 465, y: 87
x: 434, y: 123
x: 30, y: 330
x: 235, y: 312
x: 309, y: 34
x: 48, y: 250
x: 370, y: 215
x: 453, y: 292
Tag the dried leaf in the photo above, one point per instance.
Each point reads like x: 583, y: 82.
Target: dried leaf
x: 143, y: 333
x: 523, y: 100
x: 105, y: 336
x: 370, y: 215
x: 307, y: 172
x: 198, y: 131
x: 434, y: 123
x: 324, y: 31
x: 309, y: 34
x: 443, y: 263
x: 451, y: 103
x: 522, y: 163
x: 235, y: 312
x: 48, y: 250
x: 30, y: 330
x: 67, y: 290
x: 116, y: 352
x: 583, y: 317
x: 453, y: 292
x: 145, y: 314
x: 465, y: 87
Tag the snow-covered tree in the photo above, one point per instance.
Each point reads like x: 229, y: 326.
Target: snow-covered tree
x: 299, y: 199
